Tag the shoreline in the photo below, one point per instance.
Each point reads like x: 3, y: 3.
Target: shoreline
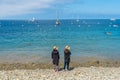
x: 39, y: 62
x: 33, y: 66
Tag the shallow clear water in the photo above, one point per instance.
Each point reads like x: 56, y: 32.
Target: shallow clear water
x: 86, y: 37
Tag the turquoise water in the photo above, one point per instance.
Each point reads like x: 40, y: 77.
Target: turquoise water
x: 85, y: 37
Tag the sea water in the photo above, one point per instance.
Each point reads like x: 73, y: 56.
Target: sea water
x: 86, y: 37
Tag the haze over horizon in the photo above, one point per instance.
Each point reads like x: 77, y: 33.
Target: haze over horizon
x: 47, y: 9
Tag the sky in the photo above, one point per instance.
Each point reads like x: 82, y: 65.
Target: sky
x: 65, y: 9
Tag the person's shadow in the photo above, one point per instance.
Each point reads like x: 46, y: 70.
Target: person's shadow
x: 71, y: 68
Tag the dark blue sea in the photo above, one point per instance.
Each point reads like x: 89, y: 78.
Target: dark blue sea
x: 86, y: 37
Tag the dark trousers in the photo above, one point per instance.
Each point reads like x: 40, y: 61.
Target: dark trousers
x: 66, y: 64
x: 55, y: 63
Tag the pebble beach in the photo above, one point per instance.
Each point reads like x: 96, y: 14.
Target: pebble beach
x: 80, y: 73
x: 91, y: 70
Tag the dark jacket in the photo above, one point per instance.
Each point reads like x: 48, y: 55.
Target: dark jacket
x: 67, y: 56
x: 55, y: 56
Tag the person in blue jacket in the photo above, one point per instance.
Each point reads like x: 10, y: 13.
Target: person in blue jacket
x: 67, y: 54
x: 55, y: 57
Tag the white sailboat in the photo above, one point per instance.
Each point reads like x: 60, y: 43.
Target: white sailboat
x: 57, y: 21
x: 77, y: 20
x: 33, y: 19
x: 112, y: 19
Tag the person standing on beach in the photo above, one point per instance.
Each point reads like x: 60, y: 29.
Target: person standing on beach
x: 67, y: 54
x: 55, y: 57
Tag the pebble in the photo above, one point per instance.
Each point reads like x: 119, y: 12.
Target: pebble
x: 81, y: 73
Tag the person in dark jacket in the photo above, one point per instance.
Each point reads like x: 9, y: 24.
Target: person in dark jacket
x: 67, y: 54
x: 55, y: 57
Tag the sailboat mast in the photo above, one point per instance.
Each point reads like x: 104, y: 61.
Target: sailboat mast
x: 57, y: 15
x: 57, y: 21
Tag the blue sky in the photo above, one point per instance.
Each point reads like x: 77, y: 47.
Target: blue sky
x: 67, y: 9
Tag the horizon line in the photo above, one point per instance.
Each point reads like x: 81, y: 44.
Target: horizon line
x: 63, y: 19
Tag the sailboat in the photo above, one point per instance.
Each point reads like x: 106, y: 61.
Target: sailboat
x: 33, y: 19
x: 57, y: 21
x: 112, y: 19
x: 77, y: 20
